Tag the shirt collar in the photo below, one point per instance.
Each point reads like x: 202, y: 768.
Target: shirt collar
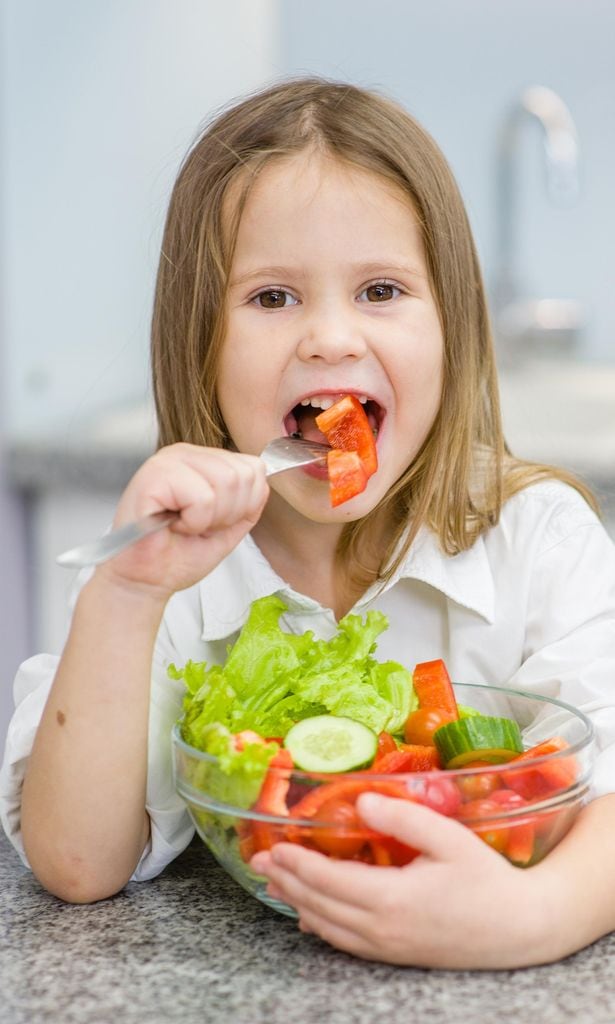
x: 246, y: 575
x: 243, y: 577
x: 465, y: 578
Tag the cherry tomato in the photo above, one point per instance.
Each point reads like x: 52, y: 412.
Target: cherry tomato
x: 421, y: 725
x: 344, y: 836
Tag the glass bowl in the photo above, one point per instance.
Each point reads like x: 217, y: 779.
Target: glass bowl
x: 522, y: 809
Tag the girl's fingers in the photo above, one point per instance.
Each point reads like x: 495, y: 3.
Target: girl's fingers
x: 318, y: 881
x: 211, y: 489
x: 418, y: 826
x: 339, y: 936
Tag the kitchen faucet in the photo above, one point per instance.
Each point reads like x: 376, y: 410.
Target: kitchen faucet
x: 523, y: 322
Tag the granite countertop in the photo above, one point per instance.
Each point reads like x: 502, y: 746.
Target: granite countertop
x: 191, y: 946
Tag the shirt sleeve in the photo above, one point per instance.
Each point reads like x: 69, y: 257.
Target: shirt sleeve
x: 171, y: 828
x: 570, y: 629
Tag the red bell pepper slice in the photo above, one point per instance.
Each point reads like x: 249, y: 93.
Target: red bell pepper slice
x: 539, y: 780
x: 386, y: 743
x: 347, y: 476
x: 521, y: 834
x: 271, y: 800
x: 346, y: 426
x: 408, y: 758
x: 346, y: 789
x: 433, y: 687
x: 386, y: 851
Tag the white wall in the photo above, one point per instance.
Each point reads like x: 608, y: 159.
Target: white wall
x: 99, y: 103
x: 99, y: 100
x: 458, y: 65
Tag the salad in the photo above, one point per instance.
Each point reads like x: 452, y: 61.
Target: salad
x: 298, y: 727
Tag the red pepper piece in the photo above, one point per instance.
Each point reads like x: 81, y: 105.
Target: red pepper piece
x: 347, y: 476
x: 246, y: 840
x: 386, y: 743
x: 408, y: 758
x: 380, y: 854
x: 542, y: 779
x: 521, y: 834
x: 387, y: 851
x: 520, y: 843
x: 346, y: 426
x: 433, y: 687
x: 346, y: 789
x: 272, y: 800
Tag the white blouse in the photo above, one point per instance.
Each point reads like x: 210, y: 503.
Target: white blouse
x: 531, y: 606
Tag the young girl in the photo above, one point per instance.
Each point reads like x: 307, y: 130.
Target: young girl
x: 316, y: 245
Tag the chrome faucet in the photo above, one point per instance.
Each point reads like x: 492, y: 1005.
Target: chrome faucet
x: 522, y: 321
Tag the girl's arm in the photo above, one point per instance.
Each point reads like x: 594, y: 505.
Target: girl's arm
x: 84, y: 823
x: 460, y: 904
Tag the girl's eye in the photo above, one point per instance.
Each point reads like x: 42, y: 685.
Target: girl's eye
x: 380, y: 292
x: 274, y: 298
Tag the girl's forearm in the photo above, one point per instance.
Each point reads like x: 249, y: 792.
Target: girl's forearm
x: 84, y: 822
x: 578, y: 877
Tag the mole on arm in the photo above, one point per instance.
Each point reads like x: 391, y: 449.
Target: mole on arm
x: 61, y: 717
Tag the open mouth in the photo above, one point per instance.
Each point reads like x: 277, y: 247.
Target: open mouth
x: 301, y: 420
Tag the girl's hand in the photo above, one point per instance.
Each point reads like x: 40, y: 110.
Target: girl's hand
x: 220, y: 496
x: 459, y: 904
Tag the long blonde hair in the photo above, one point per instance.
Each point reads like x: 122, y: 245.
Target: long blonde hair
x: 464, y: 472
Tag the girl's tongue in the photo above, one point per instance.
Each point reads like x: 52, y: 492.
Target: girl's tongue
x: 304, y: 418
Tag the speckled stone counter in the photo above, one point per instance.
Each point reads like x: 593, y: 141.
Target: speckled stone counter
x: 191, y: 946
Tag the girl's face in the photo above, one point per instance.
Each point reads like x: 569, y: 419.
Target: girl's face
x: 329, y: 294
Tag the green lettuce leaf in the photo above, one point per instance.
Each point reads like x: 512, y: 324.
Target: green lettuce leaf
x: 272, y: 679
x: 235, y: 778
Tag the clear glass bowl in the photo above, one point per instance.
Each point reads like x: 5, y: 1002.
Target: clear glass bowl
x: 521, y: 809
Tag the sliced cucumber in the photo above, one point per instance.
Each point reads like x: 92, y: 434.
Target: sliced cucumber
x: 465, y: 711
x: 478, y: 737
x: 330, y: 743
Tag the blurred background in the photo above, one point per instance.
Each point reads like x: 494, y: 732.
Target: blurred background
x: 98, y: 104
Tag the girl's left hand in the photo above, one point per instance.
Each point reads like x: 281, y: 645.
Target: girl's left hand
x: 459, y: 904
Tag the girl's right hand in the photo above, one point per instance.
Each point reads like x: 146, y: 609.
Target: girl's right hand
x: 220, y: 496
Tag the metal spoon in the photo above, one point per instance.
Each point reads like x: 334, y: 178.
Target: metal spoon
x: 279, y: 455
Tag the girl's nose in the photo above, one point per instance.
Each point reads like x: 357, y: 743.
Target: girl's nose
x: 332, y: 338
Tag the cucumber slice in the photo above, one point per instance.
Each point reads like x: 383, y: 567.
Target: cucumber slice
x: 478, y: 737
x: 330, y: 743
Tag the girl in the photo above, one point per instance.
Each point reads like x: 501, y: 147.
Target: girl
x: 316, y: 245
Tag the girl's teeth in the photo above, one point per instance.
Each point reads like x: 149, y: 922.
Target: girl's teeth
x: 325, y: 402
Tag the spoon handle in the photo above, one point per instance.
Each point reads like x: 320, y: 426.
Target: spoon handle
x: 96, y: 551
